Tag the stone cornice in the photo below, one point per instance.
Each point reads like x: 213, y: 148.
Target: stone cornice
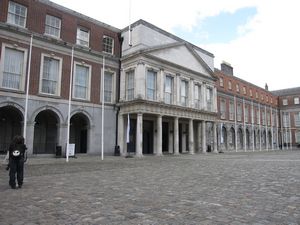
x: 158, y: 108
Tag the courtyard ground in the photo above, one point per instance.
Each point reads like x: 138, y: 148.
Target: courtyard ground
x: 231, y: 188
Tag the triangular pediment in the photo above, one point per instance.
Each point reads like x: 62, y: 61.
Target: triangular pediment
x: 181, y: 55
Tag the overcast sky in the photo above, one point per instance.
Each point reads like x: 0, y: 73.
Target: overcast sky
x: 259, y: 38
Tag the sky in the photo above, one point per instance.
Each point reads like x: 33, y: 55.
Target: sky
x: 259, y: 38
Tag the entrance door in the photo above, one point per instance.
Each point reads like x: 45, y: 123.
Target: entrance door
x: 165, y: 137
x: 147, y: 137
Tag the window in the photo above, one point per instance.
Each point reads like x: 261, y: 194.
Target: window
x: 223, y: 109
x: 296, y: 100
x: 108, y: 44
x: 168, y: 89
x: 130, y: 85
x: 151, y: 85
x: 53, y: 26
x: 108, y: 86
x: 262, y: 97
x: 267, y: 98
x: 284, y: 102
x: 239, y: 112
x: 231, y: 110
x: 297, y: 119
x: 286, y: 121
x: 197, y: 97
x: 244, y: 90
x: 184, y: 90
x: 297, y: 136
x: 271, y: 100
x: 250, y: 91
x: 256, y: 95
x: 16, y: 14
x: 229, y: 85
x: 257, y: 116
x: 237, y: 87
x: 246, y: 114
x: 13, y: 66
x: 83, y: 37
x: 268, y: 118
x: 81, y: 82
x: 221, y: 82
x: 209, y: 98
x: 263, y: 117
x: 50, y: 75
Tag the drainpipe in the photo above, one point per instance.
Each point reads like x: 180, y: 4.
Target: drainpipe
x: 118, y: 91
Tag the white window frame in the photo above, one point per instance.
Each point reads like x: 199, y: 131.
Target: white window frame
x: 155, y: 83
x: 23, y: 74
x: 105, y: 44
x: 113, y: 74
x: 239, y: 112
x: 186, y: 96
x: 297, y: 136
x: 231, y: 110
x: 52, y: 27
x: 197, y: 99
x: 130, y: 71
x: 296, y: 101
x: 172, y: 88
x: 80, y: 40
x: 221, y: 82
x: 284, y: 101
x: 58, y: 88
x: 13, y: 22
x: 250, y: 91
x: 223, y: 108
x: 209, y: 99
x: 237, y: 87
x: 244, y: 90
x: 89, y: 81
x: 229, y: 85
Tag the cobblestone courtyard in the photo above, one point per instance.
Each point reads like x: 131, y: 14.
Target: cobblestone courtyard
x: 232, y: 188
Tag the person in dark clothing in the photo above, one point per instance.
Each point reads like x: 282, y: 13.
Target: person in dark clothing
x: 16, y: 161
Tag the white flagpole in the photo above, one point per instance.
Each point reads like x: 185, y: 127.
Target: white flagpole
x: 129, y: 28
x: 102, y: 119
x: 27, y: 89
x: 128, y: 129
x: 69, y: 105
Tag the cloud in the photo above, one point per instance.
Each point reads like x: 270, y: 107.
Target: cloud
x: 266, y: 49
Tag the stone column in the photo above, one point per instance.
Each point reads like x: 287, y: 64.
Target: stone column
x: 203, y: 137
x: 30, y: 137
x: 159, y: 136
x: 176, y: 136
x: 191, y: 93
x: 191, y: 137
x: 139, y: 135
x: 199, y: 137
x: 121, y: 143
x: 215, y: 137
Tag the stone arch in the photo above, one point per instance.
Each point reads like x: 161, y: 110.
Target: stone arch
x: 46, y: 132
x: 51, y: 108
x: 240, y: 138
x: 80, y: 126
x: 11, y: 124
x: 247, y: 138
x: 232, y: 138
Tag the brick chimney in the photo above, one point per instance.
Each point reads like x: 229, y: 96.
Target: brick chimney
x: 227, y: 68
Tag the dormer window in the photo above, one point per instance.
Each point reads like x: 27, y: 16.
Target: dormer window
x: 83, y: 36
x: 16, y: 14
x: 108, y: 44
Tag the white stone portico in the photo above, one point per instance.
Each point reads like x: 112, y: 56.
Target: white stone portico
x: 168, y: 98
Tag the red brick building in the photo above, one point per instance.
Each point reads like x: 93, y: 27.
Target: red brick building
x: 250, y: 118
x: 62, y: 41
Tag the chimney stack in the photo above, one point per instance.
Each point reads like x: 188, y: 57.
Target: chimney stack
x: 227, y: 68
x: 266, y: 87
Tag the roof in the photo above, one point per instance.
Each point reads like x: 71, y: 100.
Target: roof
x: 288, y: 91
x: 153, y: 27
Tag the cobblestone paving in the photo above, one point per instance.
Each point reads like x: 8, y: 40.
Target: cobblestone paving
x: 232, y: 188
